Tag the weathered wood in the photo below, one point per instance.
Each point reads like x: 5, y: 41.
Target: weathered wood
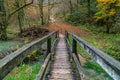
x: 43, y: 68
x: 76, y: 60
x: 109, y: 64
x: 49, y: 45
x: 74, y: 46
x: 14, y: 59
x: 61, y: 69
x: 82, y: 77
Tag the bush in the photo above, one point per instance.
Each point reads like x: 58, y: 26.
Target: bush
x: 114, y: 51
x: 73, y: 18
x: 76, y: 18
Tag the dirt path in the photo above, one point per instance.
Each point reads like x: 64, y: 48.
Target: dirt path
x: 62, y: 26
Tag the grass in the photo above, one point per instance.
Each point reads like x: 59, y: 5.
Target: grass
x: 109, y: 43
x: 93, y: 71
x: 81, y: 50
x: 94, y: 66
x: 24, y: 72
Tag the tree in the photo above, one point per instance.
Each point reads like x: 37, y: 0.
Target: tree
x: 70, y: 6
x: 3, y: 21
x: 20, y: 15
x: 4, y: 18
x: 106, y: 11
x: 41, y: 11
x: 48, y: 14
x: 89, y: 11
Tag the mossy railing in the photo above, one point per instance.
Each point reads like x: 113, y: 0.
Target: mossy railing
x: 17, y: 57
x: 109, y: 64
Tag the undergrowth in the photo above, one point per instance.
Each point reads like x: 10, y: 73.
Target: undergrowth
x: 24, y: 72
x: 108, y: 43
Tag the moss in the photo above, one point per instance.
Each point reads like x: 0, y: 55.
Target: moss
x: 24, y: 72
x: 94, y: 66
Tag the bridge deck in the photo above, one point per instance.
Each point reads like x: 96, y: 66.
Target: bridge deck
x: 61, y: 69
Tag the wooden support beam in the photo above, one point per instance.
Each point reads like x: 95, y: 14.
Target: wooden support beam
x: 49, y: 45
x: 43, y: 68
x: 74, y: 46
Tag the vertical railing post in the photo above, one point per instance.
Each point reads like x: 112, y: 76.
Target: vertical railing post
x: 48, y: 46
x: 57, y: 34
x: 74, y: 49
x: 74, y: 46
x: 66, y: 34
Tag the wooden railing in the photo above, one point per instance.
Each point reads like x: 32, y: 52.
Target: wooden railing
x: 110, y: 65
x: 16, y: 58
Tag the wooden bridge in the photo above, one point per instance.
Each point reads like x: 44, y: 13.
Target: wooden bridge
x: 58, y: 58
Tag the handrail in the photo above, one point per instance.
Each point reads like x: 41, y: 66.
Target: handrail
x: 105, y: 61
x: 15, y: 58
x: 74, y: 56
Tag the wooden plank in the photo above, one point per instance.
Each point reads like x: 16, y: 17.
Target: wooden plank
x: 43, y: 68
x: 61, y: 69
x: 15, y: 58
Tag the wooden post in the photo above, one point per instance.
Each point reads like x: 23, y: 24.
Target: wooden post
x: 57, y: 34
x: 66, y: 33
x: 74, y: 49
x: 48, y: 46
x: 74, y: 46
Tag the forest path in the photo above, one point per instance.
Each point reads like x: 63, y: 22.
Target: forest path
x: 61, y: 69
x: 62, y: 26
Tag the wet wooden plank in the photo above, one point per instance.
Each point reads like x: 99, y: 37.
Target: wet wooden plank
x: 61, y: 68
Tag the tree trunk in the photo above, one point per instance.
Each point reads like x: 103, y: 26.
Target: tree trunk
x: 89, y: 11
x: 20, y: 15
x: 80, y: 2
x: 48, y: 14
x: 41, y: 11
x: 3, y: 21
x: 107, y: 26
x: 3, y: 34
x: 107, y: 29
x: 70, y: 6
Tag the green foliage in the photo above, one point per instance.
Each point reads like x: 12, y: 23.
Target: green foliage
x: 83, y: 53
x: 24, y: 72
x: 94, y: 71
x: 108, y: 43
x: 94, y: 66
x: 81, y: 50
x: 114, y: 51
x: 73, y: 18
x: 35, y: 55
x: 114, y: 48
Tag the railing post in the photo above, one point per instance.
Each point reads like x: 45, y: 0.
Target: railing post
x: 57, y: 34
x: 48, y: 46
x: 66, y: 34
x: 74, y: 46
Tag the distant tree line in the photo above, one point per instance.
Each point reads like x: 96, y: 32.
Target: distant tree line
x: 102, y: 12
x: 18, y: 8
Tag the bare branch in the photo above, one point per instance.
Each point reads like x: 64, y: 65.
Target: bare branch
x: 20, y: 9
